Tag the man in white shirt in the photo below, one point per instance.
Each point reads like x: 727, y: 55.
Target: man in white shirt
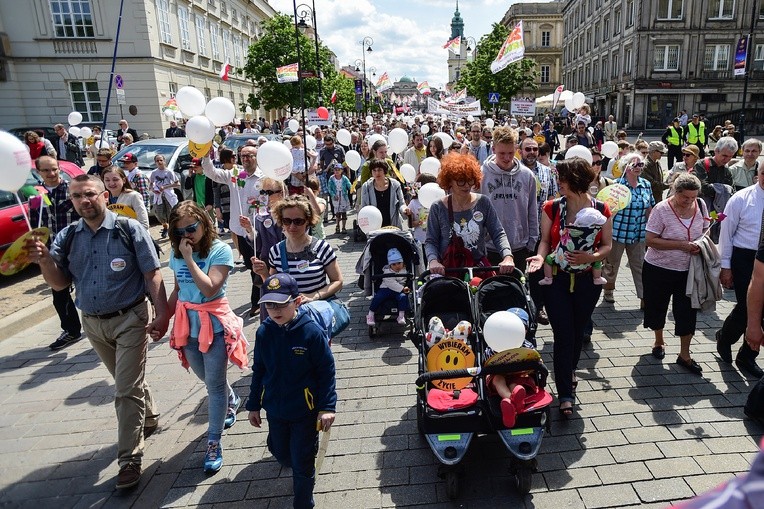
x: 611, y: 128
x: 241, y: 197
x: 741, y: 233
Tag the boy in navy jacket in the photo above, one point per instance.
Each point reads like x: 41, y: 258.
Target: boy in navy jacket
x: 293, y: 380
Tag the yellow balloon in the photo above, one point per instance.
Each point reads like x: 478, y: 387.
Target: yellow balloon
x: 123, y: 210
x: 199, y: 149
x: 617, y: 197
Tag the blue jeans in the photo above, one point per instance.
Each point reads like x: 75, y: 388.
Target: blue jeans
x: 294, y: 444
x: 401, y: 299
x: 569, y: 315
x: 210, y: 367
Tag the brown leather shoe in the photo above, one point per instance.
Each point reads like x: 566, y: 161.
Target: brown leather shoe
x: 129, y: 475
x: 541, y: 318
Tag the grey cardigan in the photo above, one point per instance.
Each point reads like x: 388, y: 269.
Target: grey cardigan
x: 439, y: 229
x: 368, y: 197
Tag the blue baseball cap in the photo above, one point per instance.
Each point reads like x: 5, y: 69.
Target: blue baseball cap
x: 521, y: 314
x: 279, y: 288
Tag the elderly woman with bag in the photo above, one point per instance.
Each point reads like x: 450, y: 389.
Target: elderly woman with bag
x: 459, y: 223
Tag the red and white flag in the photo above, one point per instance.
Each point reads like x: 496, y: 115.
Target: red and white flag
x: 224, y: 71
x: 334, y: 96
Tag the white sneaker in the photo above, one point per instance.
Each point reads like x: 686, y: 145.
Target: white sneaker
x: 608, y: 296
x: 370, y: 319
x: 401, y: 318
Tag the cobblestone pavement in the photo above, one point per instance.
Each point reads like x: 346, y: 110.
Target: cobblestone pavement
x: 647, y: 433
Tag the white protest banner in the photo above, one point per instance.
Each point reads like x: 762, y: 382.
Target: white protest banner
x: 523, y: 106
x: 460, y: 110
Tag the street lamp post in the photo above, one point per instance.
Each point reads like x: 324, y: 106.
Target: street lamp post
x: 373, y: 72
x: 304, y: 12
x: 366, y: 43
x: 299, y: 83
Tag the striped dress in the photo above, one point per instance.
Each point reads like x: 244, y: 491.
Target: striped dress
x: 307, y: 267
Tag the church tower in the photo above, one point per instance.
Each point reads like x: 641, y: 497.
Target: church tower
x: 456, y: 61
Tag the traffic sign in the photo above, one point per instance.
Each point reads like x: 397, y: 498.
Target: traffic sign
x: 493, y: 97
x: 307, y: 74
x: 118, y: 81
x: 121, y: 96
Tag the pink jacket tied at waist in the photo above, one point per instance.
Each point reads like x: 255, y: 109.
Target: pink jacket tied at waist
x: 233, y: 330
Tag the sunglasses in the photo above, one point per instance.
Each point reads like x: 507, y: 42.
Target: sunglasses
x: 531, y: 149
x: 179, y: 232
x: 596, y: 163
x: 277, y: 305
x: 638, y: 165
x: 687, y: 155
x: 269, y: 192
x: 298, y: 221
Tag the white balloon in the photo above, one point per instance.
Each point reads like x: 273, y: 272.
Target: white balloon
x: 199, y: 129
x: 343, y: 137
x: 579, y: 151
x: 578, y: 100
x: 178, y: 115
x: 489, y: 123
x: 610, y: 149
x: 446, y: 139
x: 430, y: 165
x: 248, y: 110
x: 353, y: 159
x: 74, y: 131
x: 591, y: 130
x: 470, y: 118
x: 86, y: 132
x: 190, y: 101
x: 408, y: 172
x: 375, y: 138
x: 369, y: 120
x: 293, y: 125
x: 425, y: 129
x: 398, y: 140
x: 310, y: 142
x: 369, y: 219
x: 74, y: 118
x: 569, y: 104
x: 312, y: 129
x: 429, y: 194
x: 504, y: 330
x: 275, y: 160
x: 288, y: 144
x: 169, y: 113
x: 102, y: 144
x: 16, y: 162
x: 220, y: 110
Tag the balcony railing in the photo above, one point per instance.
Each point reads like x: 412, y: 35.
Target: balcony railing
x: 716, y: 75
x: 74, y: 46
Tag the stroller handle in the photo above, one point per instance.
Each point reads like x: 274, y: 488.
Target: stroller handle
x: 516, y: 273
x: 494, y: 369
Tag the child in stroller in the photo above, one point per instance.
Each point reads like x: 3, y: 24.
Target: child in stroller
x: 391, y: 288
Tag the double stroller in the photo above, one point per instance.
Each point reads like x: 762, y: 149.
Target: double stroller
x: 372, y: 262
x: 455, y: 402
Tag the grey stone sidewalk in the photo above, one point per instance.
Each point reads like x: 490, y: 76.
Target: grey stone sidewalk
x: 647, y: 434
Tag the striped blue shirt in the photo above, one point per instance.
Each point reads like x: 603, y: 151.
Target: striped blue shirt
x: 308, y: 268
x: 629, y: 224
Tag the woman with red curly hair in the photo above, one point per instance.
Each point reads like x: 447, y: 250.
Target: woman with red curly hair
x: 464, y: 213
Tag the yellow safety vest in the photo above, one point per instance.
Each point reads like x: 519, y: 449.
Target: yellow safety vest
x: 696, y: 134
x: 674, y: 138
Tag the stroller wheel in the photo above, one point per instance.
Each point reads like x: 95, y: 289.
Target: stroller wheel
x: 452, y: 485
x: 523, y: 479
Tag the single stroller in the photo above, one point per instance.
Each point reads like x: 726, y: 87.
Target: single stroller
x: 453, y: 400
x: 372, y: 262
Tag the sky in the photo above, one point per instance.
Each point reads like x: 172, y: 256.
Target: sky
x: 408, y: 34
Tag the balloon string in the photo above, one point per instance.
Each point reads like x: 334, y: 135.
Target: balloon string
x: 23, y: 210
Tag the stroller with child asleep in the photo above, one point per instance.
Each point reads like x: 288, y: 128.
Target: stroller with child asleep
x: 454, y: 401
x: 372, y: 262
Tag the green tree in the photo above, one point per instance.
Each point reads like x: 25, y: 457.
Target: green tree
x: 277, y: 48
x: 345, y: 93
x: 479, y: 79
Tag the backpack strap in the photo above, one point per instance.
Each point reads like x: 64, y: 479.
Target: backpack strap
x: 283, y: 253
x: 707, y: 164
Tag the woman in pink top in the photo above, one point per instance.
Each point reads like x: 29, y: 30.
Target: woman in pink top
x: 672, y: 228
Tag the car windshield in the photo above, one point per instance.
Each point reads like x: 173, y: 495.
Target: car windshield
x: 146, y: 153
x: 7, y: 199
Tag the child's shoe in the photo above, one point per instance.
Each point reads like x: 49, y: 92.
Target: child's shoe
x: 599, y: 281
x: 213, y: 460
x: 370, y: 319
x: 435, y: 331
x: 508, y: 413
x: 547, y: 281
x: 518, y: 398
x: 401, y: 318
x: 462, y: 331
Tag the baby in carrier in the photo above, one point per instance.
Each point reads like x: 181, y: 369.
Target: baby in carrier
x: 579, y: 236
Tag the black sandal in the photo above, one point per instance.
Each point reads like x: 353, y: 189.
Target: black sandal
x: 567, y: 412
x: 659, y: 352
x: 691, y: 365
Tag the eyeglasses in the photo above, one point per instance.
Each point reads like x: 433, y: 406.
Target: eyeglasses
x: 191, y: 229
x: 85, y: 196
x: 596, y: 163
x: 247, y: 156
x: 277, y: 305
x: 531, y: 149
x: 470, y: 182
x: 269, y: 192
x: 298, y: 221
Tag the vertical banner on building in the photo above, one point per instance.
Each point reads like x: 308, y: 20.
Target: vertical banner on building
x: 741, y: 56
x: 511, y: 51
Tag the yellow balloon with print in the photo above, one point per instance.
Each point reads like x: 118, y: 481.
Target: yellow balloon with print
x: 617, y: 197
x: 199, y: 149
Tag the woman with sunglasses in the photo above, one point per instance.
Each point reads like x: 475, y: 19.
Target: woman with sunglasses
x: 311, y: 261
x: 474, y: 217
x: 629, y: 226
x: 385, y: 193
x: 206, y: 332
x: 120, y: 191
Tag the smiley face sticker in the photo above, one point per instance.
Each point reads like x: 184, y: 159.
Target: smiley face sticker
x: 450, y: 354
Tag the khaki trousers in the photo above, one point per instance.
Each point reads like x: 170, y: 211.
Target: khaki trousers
x: 636, y: 256
x: 121, y: 344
